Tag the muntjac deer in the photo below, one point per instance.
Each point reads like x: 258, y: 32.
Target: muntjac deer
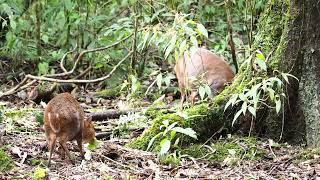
x: 64, y: 121
x: 203, y: 65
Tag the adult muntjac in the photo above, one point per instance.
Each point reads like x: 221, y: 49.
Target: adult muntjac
x: 64, y: 121
x: 202, y: 65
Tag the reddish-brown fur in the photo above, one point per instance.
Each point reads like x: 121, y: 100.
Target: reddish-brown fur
x: 64, y: 121
x: 203, y: 64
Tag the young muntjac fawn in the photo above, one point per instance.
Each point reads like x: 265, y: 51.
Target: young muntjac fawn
x: 203, y: 64
x: 64, y: 121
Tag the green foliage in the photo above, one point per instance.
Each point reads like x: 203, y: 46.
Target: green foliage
x: 39, y: 173
x: 6, y: 162
x: 260, y: 91
x: 94, y: 144
x: 39, y: 117
x: 182, y: 35
x: 168, y: 135
x: 309, y: 153
x: 142, y: 141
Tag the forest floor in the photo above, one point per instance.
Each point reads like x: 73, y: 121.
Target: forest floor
x: 25, y: 142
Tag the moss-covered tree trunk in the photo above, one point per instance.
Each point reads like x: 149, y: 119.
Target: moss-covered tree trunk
x: 301, y: 57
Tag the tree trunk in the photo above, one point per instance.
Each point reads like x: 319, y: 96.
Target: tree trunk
x: 300, y: 57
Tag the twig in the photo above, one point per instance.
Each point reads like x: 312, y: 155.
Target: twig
x: 84, y: 52
x: 78, y: 81
x: 64, y: 57
x: 147, y: 91
x: 13, y: 90
x: 230, y: 38
x: 84, y: 72
x: 29, y: 76
x: 134, y: 44
x: 212, y: 136
x: 122, y: 165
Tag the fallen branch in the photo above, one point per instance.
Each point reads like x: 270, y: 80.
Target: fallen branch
x: 105, y: 135
x: 114, y: 113
x: 64, y: 57
x: 78, y: 81
x: 13, y: 90
x: 29, y: 76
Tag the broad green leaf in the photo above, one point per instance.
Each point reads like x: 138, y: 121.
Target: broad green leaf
x: 187, y: 131
x: 171, y: 46
x: 260, y: 56
x: 242, y: 97
x: 236, y: 117
x: 202, y: 92
x: 145, y: 39
x: 170, y: 127
x: 244, y: 107
x: 172, y: 134
x: 68, y: 4
x: 202, y: 30
x: 45, y: 38
x: 168, y: 78
x: 271, y: 93
x: 94, y: 144
x: 152, y: 140
x: 262, y: 64
x: 43, y: 68
x: 194, y: 41
x: 159, y: 80
x: 13, y: 25
x: 278, y: 105
x: 183, y: 46
x: 208, y: 90
x: 227, y: 104
x: 165, y: 146
x: 193, y: 50
x: 285, y: 76
x: 252, y: 110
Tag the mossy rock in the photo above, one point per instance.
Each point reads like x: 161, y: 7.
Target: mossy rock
x: 6, y: 162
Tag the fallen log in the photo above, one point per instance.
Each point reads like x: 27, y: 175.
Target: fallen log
x: 115, y: 113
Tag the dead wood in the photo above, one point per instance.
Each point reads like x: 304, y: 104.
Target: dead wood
x: 115, y: 113
x: 103, y: 135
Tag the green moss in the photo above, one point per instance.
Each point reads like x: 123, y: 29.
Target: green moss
x: 35, y: 162
x: 39, y: 117
x: 17, y: 113
x: 195, y: 150
x: 231, y: 149
x: 272, y: 30
x: 6, y: 162
x: 171, y: 159
x: 109, y: 93
x: 308, y: 154
x: 142, y: 141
